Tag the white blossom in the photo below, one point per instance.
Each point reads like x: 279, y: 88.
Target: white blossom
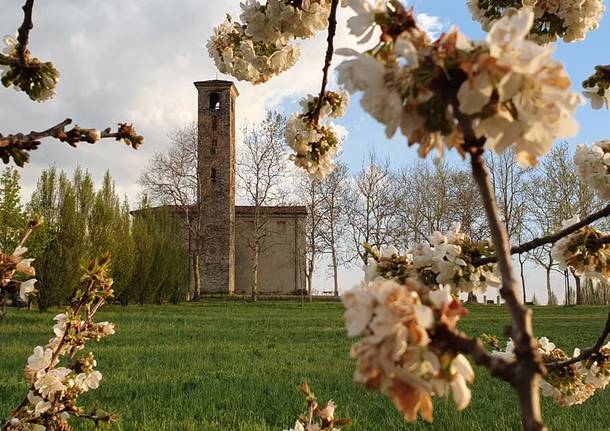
x: 26, y: 288
x: 40, y: 404
x: 593, y: 164
x: 598, y: 98
x: 40, y: 359
x: 53, y: 381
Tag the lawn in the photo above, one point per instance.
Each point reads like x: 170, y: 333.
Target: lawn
x: 223, y: 365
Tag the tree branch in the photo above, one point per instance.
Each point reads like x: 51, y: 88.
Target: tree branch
x: 527, y: 370
x: 23, y: 33
x: 454, y: 340
x: 332, y: 30
x: 19, y: 145
x: 585, y: 353
x: 551, y: 239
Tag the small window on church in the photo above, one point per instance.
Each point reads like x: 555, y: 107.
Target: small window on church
x: 214, y: 123
x: 213, y: 175
x: 214, y: 101
x: 213, y: 147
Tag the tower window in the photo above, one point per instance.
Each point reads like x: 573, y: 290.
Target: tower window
x: 214, y: 101
x: 214, y: 123
x: 213, y: 175
x: 213, y: 147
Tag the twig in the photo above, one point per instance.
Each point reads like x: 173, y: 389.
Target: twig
x: 550, y: 239
x: 17, y: 146
x: 23, y: 33
x: 585, y: 353
x: 332, y: 31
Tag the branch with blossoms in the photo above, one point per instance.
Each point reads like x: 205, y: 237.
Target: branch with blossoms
x: 18, y: 146
x: 15, y: 264
x: 316, y: 418
x: 54, y: 390
x: 39, y: 80
x: 449, y: 93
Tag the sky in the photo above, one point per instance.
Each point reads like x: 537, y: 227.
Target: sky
x: 136, y: 62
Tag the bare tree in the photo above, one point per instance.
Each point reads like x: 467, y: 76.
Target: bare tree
x: 555, y: 195
x: 334, y: 194
x: 510, y: 184
x: 309, y: 191
x: 372, y: 207
x: 423, y: 201
x: 171, y: 178
x: 261, y: 171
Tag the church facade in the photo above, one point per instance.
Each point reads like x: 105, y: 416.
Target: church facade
x: 227, y: 230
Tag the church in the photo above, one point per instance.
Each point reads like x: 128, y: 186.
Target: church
x: 226, y: 261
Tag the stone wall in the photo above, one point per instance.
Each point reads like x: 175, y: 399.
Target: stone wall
x: 282, y: 262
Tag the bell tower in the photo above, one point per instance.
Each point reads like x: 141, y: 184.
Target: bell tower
x: 216, y: 170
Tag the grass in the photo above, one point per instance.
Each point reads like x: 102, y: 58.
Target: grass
x: 235, y: 366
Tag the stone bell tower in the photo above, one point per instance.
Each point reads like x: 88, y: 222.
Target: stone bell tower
x: 216, y: 170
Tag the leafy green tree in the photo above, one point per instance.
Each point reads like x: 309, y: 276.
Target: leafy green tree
x: 12, y: 216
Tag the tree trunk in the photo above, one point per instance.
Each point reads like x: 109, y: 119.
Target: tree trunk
x: 549, y: 292
x: 335, y: 270
x: 522, y: 273
x: 310, y: 271
x: 566, y: 282
x: 197, y: 279
x: 579, y: 293
x: 255, y: 272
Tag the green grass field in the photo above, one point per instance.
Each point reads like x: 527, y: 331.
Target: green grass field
x: 224, y: 365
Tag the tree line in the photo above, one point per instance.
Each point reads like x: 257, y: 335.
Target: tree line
x: 381, y: 205
x: 81, y: 222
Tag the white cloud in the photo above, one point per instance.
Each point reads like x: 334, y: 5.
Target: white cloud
x: 430, y: 24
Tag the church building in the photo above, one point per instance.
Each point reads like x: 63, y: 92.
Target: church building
x: 227, y: 229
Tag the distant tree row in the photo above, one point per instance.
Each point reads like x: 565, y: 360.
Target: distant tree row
x: 382, y: 206
x: 379, y: 205
x: 81, y: 222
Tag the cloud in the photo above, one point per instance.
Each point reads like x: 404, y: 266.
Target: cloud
x: 430, y: 24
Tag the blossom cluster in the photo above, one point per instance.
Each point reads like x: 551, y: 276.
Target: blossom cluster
x: 315, y: 144
x: 450, y: 260
x: 317, y: 418
x: 447, y: 260
x: 570, y: 20
x: 574, y: 383
x: 58, y: 375
x: 508, y: 87
x: 26, y: 73
x: 593, y: 164
x: 12, y: 265
x: 15, y: 265
x: 237, y: 54
x: 396, y: 353
x: 278, y: 21
x: 597, y: 87
x: 585, y: 251
x: 260, y: 48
